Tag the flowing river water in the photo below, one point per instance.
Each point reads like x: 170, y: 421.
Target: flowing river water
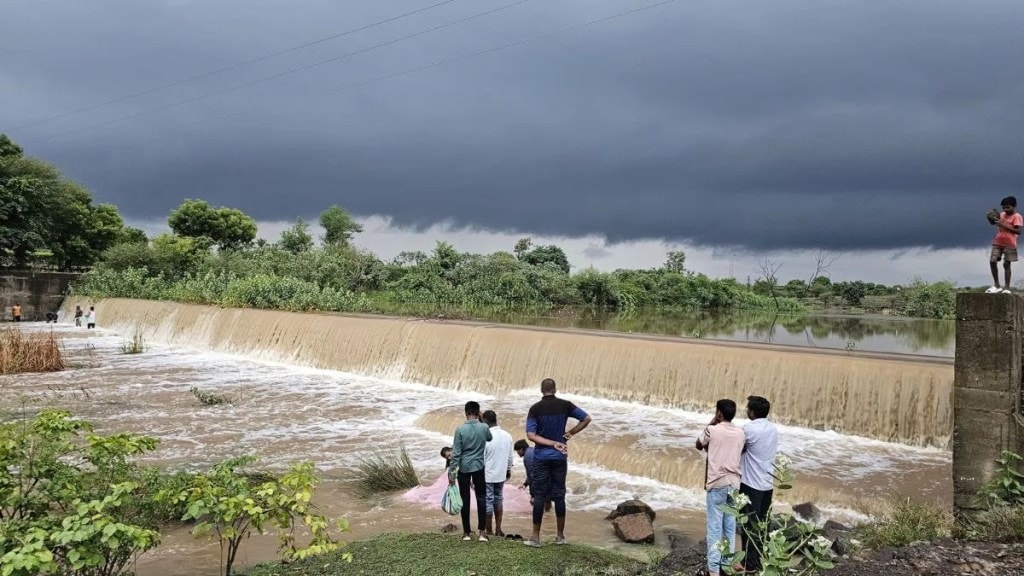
x: 285, y: 409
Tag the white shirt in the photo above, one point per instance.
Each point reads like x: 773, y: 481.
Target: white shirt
x: 757, y: 463
x: 91, y: 317
x: 497, y: 455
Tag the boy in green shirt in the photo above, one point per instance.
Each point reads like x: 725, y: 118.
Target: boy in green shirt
x: 467, y: 464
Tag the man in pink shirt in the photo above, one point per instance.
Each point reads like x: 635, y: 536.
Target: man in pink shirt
x: 724, y: 444
x: 1004, y: 246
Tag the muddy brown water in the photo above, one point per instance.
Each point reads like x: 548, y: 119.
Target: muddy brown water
x: 283, y: 413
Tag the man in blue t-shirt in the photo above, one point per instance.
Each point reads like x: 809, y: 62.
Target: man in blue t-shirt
x: 545, y: 427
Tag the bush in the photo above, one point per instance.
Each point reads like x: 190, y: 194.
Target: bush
x: 384, y: 471
x: 1000, y: 524
x: 69, y: 498
x: 903, y: 522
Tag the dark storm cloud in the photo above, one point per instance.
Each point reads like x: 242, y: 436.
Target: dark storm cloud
x: 841, y: 125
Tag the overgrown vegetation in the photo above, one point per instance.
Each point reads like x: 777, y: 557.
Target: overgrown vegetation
x: 34, y: 352
x: 207, y: 398
x: 440, y: 555
x: 135, y: 345
x: 384, y: 470
x: 902, y: 521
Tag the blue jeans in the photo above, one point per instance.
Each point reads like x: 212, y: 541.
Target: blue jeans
x: 495, y: 496
x: 720, y: 526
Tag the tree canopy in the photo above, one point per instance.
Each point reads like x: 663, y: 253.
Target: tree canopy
x: 43, y: 214
x: 339, y: 226
x: 227, y: 228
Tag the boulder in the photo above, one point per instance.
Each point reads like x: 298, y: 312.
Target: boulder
x: 833, y: 526
x: 631, y: 507
x: 807, y: 511
x: 634, y: 528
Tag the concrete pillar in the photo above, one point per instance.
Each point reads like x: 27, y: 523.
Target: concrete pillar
x: 987, y: 390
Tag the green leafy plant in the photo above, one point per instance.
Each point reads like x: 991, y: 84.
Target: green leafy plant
x: 384, y: 471
x: 784, y: 544
x: 66, y: 497
x: 228, y: 503
x: 1007, y: 487
x: 208, y: 398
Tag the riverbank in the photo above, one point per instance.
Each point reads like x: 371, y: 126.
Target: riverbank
x: 440, y: 555
x: 448, y: 555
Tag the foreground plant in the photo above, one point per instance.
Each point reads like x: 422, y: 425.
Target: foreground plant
x: 69, y: 497
x: 136, y: 345
x: 784, y: 544
x: 226, y: 502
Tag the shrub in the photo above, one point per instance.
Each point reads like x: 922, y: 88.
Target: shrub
x: 384, y: 471
x: 69, y: 498
x: 30, y: 353
x: 226, y: 502
x: 903, y: 522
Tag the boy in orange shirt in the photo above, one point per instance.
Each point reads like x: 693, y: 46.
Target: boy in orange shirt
x: 1004, y: 245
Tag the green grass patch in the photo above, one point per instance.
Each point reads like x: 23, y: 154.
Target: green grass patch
x: 448, y: 555
x: 383, y: 471
x: 902, y: 522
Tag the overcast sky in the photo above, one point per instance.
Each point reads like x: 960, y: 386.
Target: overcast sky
x: 879, y: 129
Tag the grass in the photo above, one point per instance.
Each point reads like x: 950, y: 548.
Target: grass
x: 384, y: 470
x: 902, y: 522
x: 999, y: 524
x: 134, y: 346
x: 208, y: 398
x: 30, y: 353
x: 441, y: 555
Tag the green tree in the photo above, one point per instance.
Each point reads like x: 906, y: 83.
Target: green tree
x: 675, y: 261
x: 132, y: 236
x: 547, y: 254
x: 228, y: 228
x: 296, y: 239
x: 40, y: 210
x: 339, y: 226
x: 522, y: 247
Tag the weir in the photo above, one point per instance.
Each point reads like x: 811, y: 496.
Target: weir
x: 886, y: 397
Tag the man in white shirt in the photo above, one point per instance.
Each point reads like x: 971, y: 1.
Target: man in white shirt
x: 497, y: 469
x: 757, y: 464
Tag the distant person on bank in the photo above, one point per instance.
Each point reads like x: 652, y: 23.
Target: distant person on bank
x: 497, y: 470
x: 761, y: 442
x: 1008, y: 225
x: 467, y: 463
x: 78, y: 316
x: 545, y: 427
x: 16, y: 312
x: 723, y: 442
x: 90, y: 320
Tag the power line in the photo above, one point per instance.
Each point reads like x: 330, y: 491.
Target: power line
x: 447, y: 61
x: 233, y: 66
x: 286, y: 72
x: 438, y: 63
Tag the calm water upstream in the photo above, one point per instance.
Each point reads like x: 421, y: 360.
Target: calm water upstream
x: 869, y: 333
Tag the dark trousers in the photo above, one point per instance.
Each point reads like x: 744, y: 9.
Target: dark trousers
x: 547, y: 484
x: 480, y: 487
x: 760, y: 505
